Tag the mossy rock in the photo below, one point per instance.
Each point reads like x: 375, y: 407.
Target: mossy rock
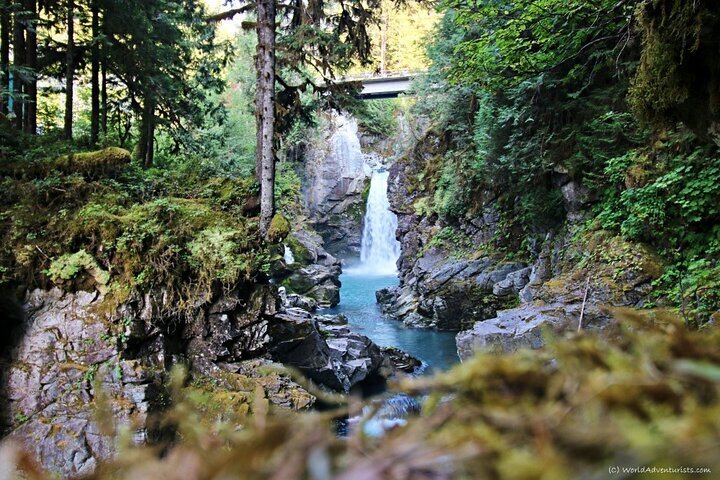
x: 300, y: 252
x: 279, y: 228
x: 93, y: 163
x: 90, y: 164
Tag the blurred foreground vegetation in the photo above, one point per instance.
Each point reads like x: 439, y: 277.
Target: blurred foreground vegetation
x: 646, y: 394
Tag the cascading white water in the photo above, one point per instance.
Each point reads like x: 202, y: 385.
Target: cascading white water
x: 379, y: 250
x: 288, y: 256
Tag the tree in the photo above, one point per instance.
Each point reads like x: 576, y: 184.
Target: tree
x: 265, y: 106
x: 95, y: 73
x: 31, y: 57
x: 69, y: 70
x: 19, y: 64
x: 164, y: 55
x: 4, y: 55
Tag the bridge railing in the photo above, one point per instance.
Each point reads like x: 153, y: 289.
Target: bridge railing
x: 388, y: 74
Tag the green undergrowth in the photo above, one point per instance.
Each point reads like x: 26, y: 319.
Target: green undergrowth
x: 182, y: 229
x: 666, y: 195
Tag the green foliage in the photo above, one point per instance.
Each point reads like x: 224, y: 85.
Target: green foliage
x: 68, y: 266
x: 377, y: 117
x: 511, y: 41
x: 667, y: 199
x: 288, y: 196
x: 666, y: 195
x: 184, y: 229
x: 677, y: 78
x: 515, y: 120
x: 216, y: 253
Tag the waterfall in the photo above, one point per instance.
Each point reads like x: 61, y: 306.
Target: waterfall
x: 288, y: 256
x: 379, y: 250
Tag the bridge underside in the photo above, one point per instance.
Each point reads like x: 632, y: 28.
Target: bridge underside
x: 379, y: 96
x: 378, y: 88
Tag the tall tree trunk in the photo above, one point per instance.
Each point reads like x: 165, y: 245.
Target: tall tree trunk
x: 146, y: 147
x: 104, y: 97
x: 95, y: 75
x: 19, y: 61
x: 384, y: 24
x: 69, y: 70
x: 4, y: 55
x: 30, y: 120
x: 265, y: 110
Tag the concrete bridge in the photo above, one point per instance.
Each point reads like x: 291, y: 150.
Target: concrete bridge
x: 382, y: 85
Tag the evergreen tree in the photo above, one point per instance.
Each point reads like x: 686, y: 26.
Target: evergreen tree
x: 5, y: 13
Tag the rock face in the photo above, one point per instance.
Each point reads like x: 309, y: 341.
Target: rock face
x: 336, y: 173
x: 73, y: 349
x: 325, y: 349
x: 438, y: 288
x: 317, y: 282
x: 522, y: 327
x: 621, y: 279
x: 50, y: 389
x: 316, y: 275
x: 450, y: 280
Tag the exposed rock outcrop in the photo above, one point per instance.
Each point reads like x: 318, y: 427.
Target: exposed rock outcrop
x: 51, y: 385
x: 621, y: 276
x: 325, y: 349
x: 336, y: 174
x: 316, y: 273
x: 451, y: 280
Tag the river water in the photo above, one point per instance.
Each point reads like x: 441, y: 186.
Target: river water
x: 437, y: 350
x: 376, y: 269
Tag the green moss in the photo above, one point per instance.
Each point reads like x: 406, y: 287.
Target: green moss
x: 279, y: 228
x: 176, y: 228
x: 69, y: 266
x: 302, y: 255
x: 99, y: 162
x: 216, y: 254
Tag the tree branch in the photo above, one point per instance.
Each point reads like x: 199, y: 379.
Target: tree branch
x: 230, y: 13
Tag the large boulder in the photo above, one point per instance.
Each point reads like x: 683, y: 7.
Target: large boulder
x: 319, y: 282
x: 325, y: 349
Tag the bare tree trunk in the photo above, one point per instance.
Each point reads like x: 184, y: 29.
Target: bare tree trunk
x: 19, y: 61
x: 383, y: 39
x: 4, y: 55
x: 30, y: 120
x: 146, y: 147
x: 104, y: 97
x: 69, y: 70
x: 95, y: 75
x: 265, y: 111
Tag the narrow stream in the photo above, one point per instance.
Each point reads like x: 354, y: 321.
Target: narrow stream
x: 376, y: 270
x: 437, y: 350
